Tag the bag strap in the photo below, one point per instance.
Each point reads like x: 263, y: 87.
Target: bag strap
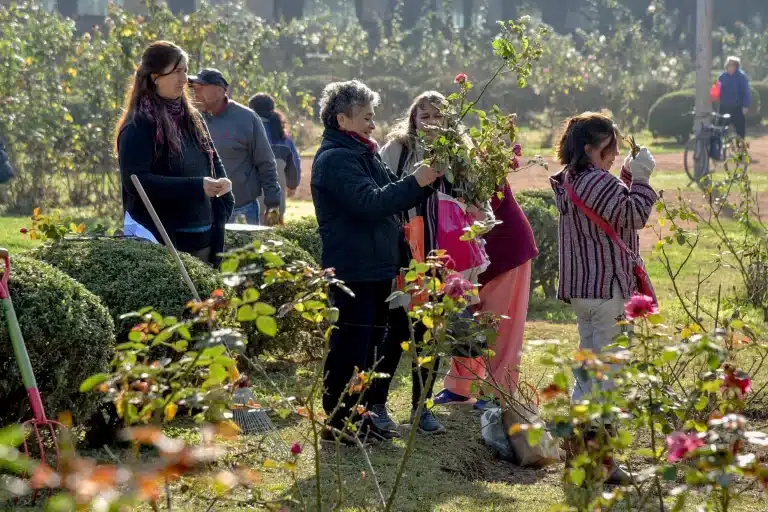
x: 598, y: 220
x: 401, y: 162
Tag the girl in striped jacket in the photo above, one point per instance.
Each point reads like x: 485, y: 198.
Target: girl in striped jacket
x: 596, y: 277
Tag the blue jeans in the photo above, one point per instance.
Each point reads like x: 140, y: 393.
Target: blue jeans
x: 249, y: 210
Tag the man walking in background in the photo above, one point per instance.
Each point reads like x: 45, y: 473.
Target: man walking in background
x: 734, y: 94
x: 242, y: 144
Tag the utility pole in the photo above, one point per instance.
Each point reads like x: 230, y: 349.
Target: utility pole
x: 704, y: 14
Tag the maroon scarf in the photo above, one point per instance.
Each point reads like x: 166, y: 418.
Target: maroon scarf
x: 369, y: 143
x: 175, y: 110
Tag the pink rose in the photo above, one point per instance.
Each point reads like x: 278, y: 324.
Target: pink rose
x: 514, y: 163
x: 640, y: 306
x: 461, y: 78
x: 456, y: 286
x: 680, y: 444
x: 517, y: 149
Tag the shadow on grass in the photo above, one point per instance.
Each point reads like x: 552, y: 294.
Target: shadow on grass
x: 452, y: 471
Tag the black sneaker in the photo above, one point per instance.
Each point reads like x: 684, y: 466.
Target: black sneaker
x: 428, y: 424
x: 381, y: 419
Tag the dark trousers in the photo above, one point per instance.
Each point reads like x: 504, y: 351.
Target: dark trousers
x: 738, y: 119
x: 398, y: 331
x: 355, y: 342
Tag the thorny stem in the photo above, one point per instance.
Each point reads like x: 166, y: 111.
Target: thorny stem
x: 414, y: 429
x: 472, y: 105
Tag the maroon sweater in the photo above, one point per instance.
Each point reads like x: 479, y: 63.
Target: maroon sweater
x: 511, y: 243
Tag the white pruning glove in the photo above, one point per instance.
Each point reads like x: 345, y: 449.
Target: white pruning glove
x: 627, y: 162
x: 642, y: 166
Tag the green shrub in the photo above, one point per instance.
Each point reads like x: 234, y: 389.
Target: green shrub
x: 69, y: 336
x: 130, y: 274
x: 292, y: 341
x: 304, y: 233
x: 539, y: 207
x: 669, y: 116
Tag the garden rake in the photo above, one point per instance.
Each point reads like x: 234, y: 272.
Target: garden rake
x: 250, y: 420
x: 40, y: 425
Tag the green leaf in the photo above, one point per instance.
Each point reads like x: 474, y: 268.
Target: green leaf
x: 246, y: 313
x: 61, y: 502
x: 561, y: 381
x: 12, y: 435
x: 218, y: 373
x: 136, y: 336
x: 711, y: 386
x: 577, y: 476
x: 267, y: 325
x: 262, y: 308
x: 702, y: 402
x: 625, y: 438
x: 93, y: 381
x: 251, y: 295
x: 669, y: 355
x: 130, y: 346
x: 229, y: 265
x: 535, y: 435
x: 181, y: 345
x: 669, y: 474
x: 656, y: 319
x: 184, y: 332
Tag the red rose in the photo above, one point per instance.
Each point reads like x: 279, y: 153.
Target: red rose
x: 460, y: 78
x: 738, y: 380
x: 517, y: 149
x: 24, y: 231
x: 296, y: 449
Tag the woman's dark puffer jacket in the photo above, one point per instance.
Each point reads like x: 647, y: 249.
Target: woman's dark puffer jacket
x: 358, y: 203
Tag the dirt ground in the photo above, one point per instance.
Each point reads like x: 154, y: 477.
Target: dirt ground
x: 538, y: 177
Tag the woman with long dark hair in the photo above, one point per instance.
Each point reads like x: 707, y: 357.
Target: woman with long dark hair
x: 163, y: 140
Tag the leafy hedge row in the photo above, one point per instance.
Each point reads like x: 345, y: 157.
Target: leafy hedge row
x: 128, y: 275
x: 69, y: 335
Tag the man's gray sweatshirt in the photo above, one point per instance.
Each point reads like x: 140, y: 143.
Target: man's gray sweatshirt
x: 244, y: 149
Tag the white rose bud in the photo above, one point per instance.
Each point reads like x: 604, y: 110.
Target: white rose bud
x: 525, y: 19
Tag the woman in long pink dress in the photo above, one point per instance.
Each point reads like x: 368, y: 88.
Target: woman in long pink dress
x: 505, y: 289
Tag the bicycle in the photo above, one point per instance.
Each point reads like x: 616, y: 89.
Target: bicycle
x: 716, y: 140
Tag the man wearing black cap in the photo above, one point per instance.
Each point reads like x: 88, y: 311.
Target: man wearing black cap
x: 242, y: 144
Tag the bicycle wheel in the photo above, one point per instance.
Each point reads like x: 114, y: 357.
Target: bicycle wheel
x: 689, y: 159
x: 697, y: 149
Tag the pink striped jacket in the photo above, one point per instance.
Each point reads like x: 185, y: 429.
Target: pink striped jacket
x: 591, y: 265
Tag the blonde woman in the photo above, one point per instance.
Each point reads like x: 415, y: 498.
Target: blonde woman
x: 404, y: 155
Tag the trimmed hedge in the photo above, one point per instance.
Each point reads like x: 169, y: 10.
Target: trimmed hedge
x: 69, y: 335
x: 130, y: 274
x: 669, y: 117
x: 304, y: 233
x: 292, y: 341
x: 539, y: 207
